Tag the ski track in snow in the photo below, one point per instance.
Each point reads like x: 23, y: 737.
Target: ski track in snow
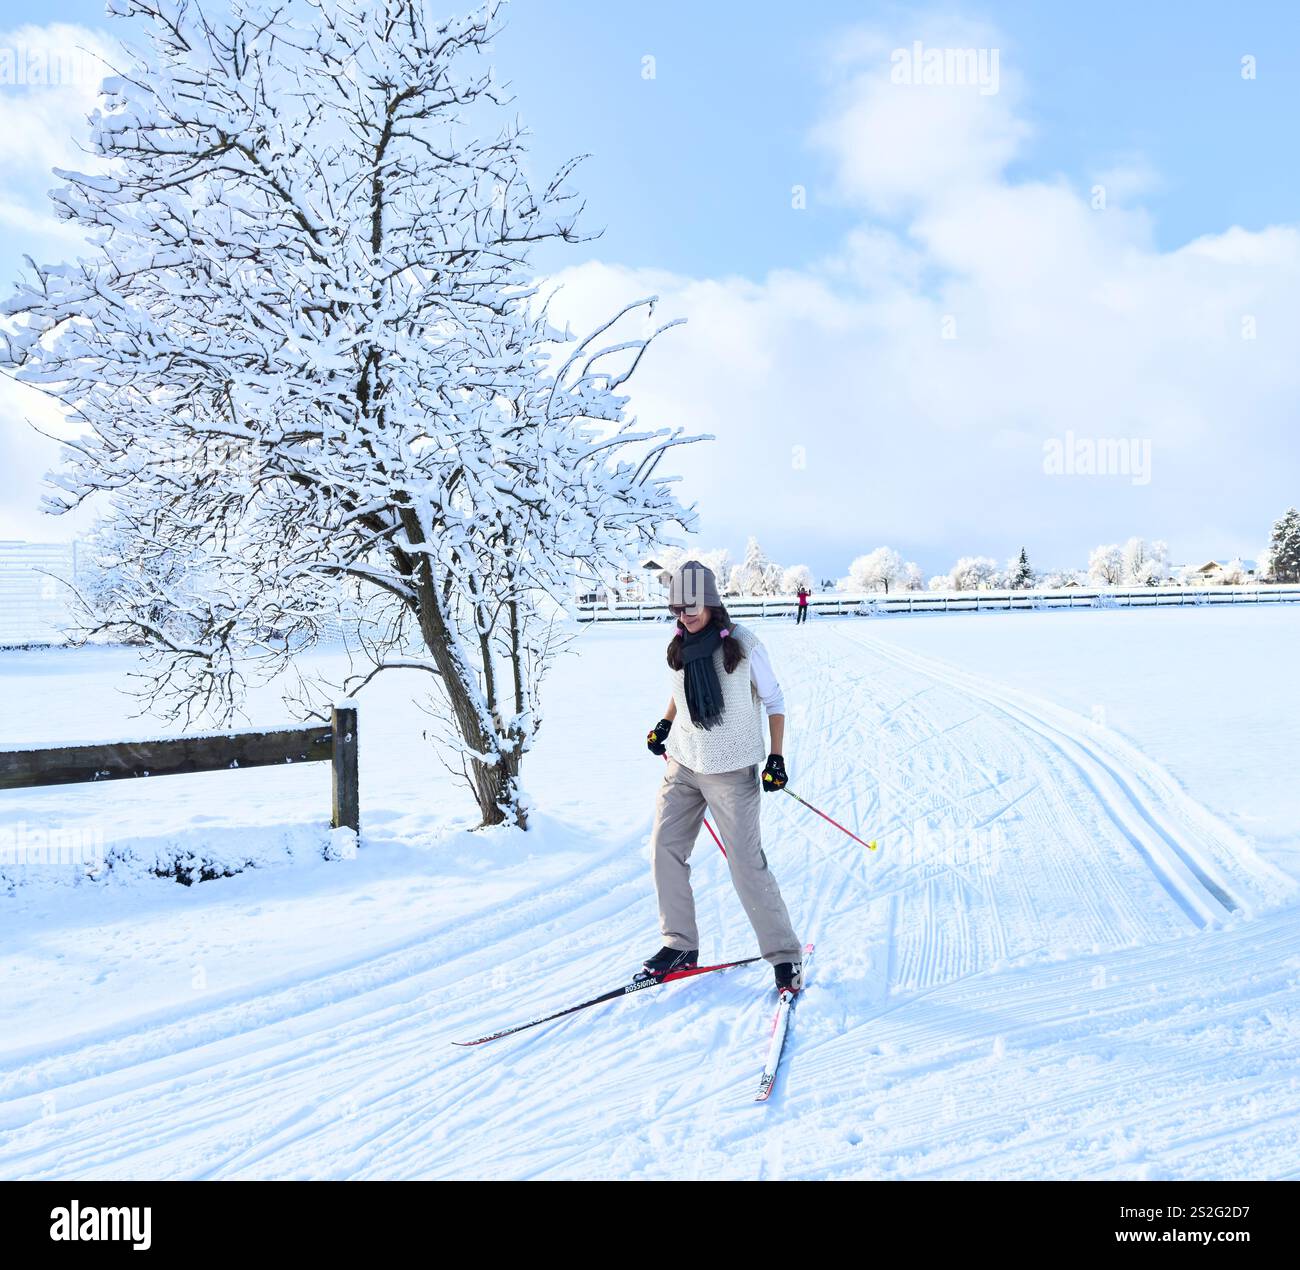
x: 1057, y: 964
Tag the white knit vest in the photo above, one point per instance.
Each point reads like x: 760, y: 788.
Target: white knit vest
x: 736, y: 741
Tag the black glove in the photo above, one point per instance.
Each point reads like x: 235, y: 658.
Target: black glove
x: 774, y: 776
x: 657, y: 735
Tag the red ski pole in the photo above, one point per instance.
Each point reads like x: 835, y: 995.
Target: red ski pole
x: 870, y: 846
x: 709, y: 827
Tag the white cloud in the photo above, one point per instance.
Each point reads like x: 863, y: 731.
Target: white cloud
x: 43, y: 123
x: 1128, y: 179
x: 895, y: 145
x: 26, y: 455
x: 49, y: 79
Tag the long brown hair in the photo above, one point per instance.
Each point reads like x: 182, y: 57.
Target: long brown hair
x: 731, y: 649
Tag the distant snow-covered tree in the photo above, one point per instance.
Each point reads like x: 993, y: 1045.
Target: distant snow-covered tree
x: 1106, y: 565
x: 1143, y: 564
x: 1134, y: 557
x: 940, y: 582
x: 1234, y: 572
x: 974, y: 573
x: 313, y: 239
x: 756, y: 574
x: 1061, y: 578
x: 1284, y: 547
x: 796, y: 576
x: 876, y: 570
x: 719, y: 560
x: 913, y: 579
x: 1020, y: 577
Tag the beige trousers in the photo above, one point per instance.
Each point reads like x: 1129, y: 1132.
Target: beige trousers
x: 732, y: 798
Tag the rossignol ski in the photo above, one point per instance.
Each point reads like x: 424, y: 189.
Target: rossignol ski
x: 637, y: 985
x: 780, y: 1024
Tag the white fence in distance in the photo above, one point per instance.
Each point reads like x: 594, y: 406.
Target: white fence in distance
x: 34, y: 602
x: 960, y: 602
x: 35, y: 608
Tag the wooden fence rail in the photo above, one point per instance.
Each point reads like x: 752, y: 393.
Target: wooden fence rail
x: 131, y: 760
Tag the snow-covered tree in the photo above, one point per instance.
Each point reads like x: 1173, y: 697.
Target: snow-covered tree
x: 796, y: 576
x: 756, y: 574
x: 1234, y: 572
x: 117, y: 564
x: 876, y: 570
x: 974, y: 573
x: 719, y: 560
x: 1020, y: 577
x: 1106, y: 565
x: 670, y: 557
x: 1284, y: 547
x: 1143, y: 564
x: 1061, y: 578
x: 313, y: 255
x: 1134, y: 555
x: 941, y: 582
x: 913, y: 579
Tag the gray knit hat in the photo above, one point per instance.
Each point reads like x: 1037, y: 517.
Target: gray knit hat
x: 692, y: 585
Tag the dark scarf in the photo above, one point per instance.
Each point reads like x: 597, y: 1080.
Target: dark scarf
x: 703, y: 692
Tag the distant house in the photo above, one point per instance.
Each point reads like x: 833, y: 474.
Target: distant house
x: 639, y: 584
x: 1214, y: 572
x: 653, y: 584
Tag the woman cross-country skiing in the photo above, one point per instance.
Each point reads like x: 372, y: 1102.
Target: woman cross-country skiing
x: 712, y: 733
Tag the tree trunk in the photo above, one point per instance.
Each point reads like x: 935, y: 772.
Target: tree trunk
x: 495, y: 788
x: 493, y: 779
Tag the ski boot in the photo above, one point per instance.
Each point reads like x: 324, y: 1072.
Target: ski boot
x: 789, y: 976
x: 667, y: 960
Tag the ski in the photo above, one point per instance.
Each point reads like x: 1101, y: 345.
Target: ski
x: 637, y: 985
x: 780, y: 1024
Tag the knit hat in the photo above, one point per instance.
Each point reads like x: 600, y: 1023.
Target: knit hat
x: 692, y: 585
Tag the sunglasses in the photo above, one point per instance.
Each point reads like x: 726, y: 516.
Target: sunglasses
x: 678, y: 609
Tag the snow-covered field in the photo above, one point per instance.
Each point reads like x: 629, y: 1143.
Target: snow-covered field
x: 1075, y: 953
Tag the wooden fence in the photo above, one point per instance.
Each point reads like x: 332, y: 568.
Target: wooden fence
x: 335, y: 744
x: 959, y: 602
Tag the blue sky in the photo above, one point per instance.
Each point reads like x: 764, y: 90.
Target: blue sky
x: 692, y: 172
x: 818, y: 329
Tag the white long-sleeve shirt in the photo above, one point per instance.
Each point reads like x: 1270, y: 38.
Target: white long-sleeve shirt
x: 763, y: 677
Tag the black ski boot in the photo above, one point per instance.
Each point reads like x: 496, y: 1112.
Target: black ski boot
x: 789, y: 976
x: 667, y: 960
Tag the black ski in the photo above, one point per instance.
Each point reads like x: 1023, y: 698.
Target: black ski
x: 637, y: 985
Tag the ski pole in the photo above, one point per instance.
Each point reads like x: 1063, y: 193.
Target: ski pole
x: 870, y: 846
x: 709, y: 827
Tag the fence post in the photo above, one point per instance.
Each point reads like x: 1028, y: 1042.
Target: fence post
x: 343, y: 765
